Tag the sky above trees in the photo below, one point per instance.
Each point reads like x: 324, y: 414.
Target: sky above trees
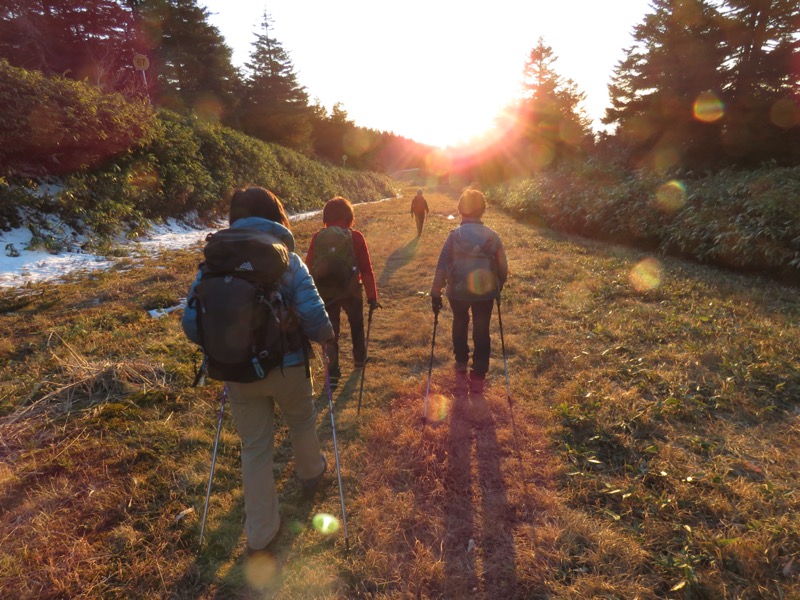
x: 436, y: 72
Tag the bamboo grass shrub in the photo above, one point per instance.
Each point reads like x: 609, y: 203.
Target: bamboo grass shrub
x: 740, y: 219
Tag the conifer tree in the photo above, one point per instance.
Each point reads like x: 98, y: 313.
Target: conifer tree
x: 275, y: 106
x: 551, y: 122
x: 190, y: 59
x: 762, y: 81
x: 672, y: 65
x: 79, y: 39
x: 700, y: 85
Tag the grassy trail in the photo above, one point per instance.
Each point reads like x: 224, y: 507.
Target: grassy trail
x: 655, y: 455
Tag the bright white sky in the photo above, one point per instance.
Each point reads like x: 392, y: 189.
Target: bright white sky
x: 435, y: 71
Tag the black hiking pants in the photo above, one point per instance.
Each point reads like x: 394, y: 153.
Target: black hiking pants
x: 353, y: 307
x: 481, y: 318
x: 420, y: 219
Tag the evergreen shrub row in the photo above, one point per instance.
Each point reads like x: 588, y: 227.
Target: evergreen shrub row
x: 104, y: 165
x: 746, y: 220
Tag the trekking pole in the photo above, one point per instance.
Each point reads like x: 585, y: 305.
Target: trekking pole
x: 430, y: 365
x: 335, y: 447
x: 508, y: 385
x: 366, y: 357
x: 213, y: 461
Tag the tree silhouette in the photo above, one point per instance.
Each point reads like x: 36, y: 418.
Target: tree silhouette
x: 189, y: 58
x: 762, y: 81
x: 550, y: 125
x: 700, y: 85
x: 275, y: 106
x: 79, y: 39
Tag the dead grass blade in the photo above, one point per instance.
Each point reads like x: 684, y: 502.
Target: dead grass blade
x: 79, y: 380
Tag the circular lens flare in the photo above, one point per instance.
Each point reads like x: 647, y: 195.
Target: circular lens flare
x: 260, y: 569
x: 671, y: 196
x: 646, y: 275
x: 708, y: 108
x: 438, y: 408
x: 480, y: 281
x: 325, y: 523
x: 785, y: 113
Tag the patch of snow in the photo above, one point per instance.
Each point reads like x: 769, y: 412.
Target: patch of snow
x: 20, y: 266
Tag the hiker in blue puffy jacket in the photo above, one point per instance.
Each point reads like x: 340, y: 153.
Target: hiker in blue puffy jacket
x: 473, y: 268
x: 252, y: 404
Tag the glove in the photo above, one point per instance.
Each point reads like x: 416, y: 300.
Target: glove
x: 436, y: 304
x: 374, y: 304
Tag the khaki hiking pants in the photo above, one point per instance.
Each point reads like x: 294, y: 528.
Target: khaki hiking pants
x: 253, y: 410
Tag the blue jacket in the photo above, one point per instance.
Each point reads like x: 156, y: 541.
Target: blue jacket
x: 297, y: 287
x: 471, y: 232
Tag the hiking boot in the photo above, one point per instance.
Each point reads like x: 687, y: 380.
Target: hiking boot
x: 310, y: 485
x: 476, y: 383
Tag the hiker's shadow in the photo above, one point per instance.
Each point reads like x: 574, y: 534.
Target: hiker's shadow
x: 222, y: 539
x: 397, y: 260
x: 477, y: 519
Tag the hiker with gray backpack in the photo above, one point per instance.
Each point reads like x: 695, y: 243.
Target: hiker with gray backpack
x: 472, y: 268
x: 339, y: 261
x: 253, y: 309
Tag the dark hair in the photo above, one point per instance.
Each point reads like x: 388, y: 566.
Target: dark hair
x: 338, y: 210
x: 256, y: 202
x: 472, y: 203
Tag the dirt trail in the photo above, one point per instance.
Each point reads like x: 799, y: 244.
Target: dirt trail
x: 447, y: 508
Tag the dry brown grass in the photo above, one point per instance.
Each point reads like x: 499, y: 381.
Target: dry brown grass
x: 655, y: 452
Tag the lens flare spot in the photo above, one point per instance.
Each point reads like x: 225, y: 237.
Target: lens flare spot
x: 570, y: 133
x: 260, y: 569
x: 640, y: 128
x: 578, y: 295
x: 45, y: 124
x: 480, y: 281
x: 296, y: 527
x: 646, y: 275
x: 325, y: 523
x: 785, y: 114
x: 541, y: 154
x: 708, y: 108
x: 208, y: 107
x: 439, y: 407
x: 356, y: 142
x: 671, y: 196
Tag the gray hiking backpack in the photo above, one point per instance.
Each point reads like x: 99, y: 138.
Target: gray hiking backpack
x: 244, y: 324
x: 473, y: 272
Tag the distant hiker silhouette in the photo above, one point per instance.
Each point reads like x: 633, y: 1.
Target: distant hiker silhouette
x: 419, y: 208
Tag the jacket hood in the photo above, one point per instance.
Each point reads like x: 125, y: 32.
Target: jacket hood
x: 262, y: 224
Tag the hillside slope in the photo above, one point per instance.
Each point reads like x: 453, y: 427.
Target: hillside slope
x: 652, y: 451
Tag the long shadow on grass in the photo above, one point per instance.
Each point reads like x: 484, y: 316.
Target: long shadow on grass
x: 397, y: 260
x: 476, y: 520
